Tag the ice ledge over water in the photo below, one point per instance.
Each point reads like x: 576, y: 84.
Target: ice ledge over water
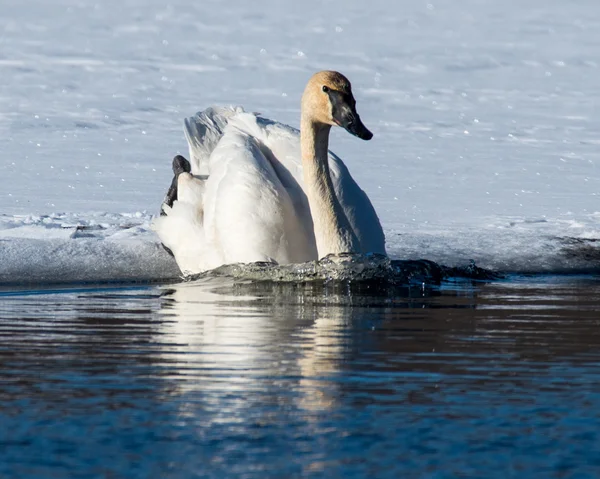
x: 107, y: 247
x: 63, y: 248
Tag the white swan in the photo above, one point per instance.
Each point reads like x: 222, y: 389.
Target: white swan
x: 272, y: 193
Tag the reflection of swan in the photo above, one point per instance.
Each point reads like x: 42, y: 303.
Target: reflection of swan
x: 227, y: 341
x: 272, y: 193
x: 219, y: 332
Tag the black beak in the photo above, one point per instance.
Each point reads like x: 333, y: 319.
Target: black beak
x: 344, y: 114
x: 354, y: 125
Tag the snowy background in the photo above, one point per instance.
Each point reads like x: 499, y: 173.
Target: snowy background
x: 486, y: 130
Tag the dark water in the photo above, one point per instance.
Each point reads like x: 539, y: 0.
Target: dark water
x: 222, y: 380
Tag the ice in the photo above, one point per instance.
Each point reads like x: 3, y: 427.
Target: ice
x: 486, y: 132
x: 67, y: 248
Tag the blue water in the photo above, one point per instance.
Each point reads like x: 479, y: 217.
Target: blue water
x: 216, y: 379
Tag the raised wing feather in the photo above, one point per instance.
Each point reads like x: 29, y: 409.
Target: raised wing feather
x: 203, y: 132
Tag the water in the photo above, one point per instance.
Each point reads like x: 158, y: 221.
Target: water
x: 218, y: 378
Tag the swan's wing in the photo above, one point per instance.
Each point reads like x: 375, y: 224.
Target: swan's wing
x: 242, y: 212
x: 248, y: 213
x: 203, y: 132
x: 358, y: 207
x: 280, y: 145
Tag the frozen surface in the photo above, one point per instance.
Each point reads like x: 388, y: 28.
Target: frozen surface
x: 486, y: 131
x: 68, y: 248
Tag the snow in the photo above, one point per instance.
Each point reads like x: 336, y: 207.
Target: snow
x: 486, y: 138
x: 66, y: 248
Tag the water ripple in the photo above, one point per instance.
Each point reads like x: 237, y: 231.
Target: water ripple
x: 224, y: 378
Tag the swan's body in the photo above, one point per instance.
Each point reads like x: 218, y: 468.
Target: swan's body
x: 272, y: 193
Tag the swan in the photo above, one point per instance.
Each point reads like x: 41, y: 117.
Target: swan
x: 258, y: 190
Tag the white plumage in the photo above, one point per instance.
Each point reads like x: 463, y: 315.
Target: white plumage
x: 246, y: 198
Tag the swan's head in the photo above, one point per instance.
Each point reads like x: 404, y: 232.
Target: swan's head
x: 328, y: 99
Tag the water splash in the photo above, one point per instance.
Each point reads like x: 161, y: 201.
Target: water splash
x: 348, y: 267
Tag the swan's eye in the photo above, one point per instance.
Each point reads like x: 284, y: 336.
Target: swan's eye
x: 325, y: 88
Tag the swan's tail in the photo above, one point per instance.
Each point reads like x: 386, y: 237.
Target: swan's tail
x: 203, y: 131
x: 181, y: 228
x: 180, y: 165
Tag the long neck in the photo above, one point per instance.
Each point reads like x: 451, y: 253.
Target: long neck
x: 333, y: 232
